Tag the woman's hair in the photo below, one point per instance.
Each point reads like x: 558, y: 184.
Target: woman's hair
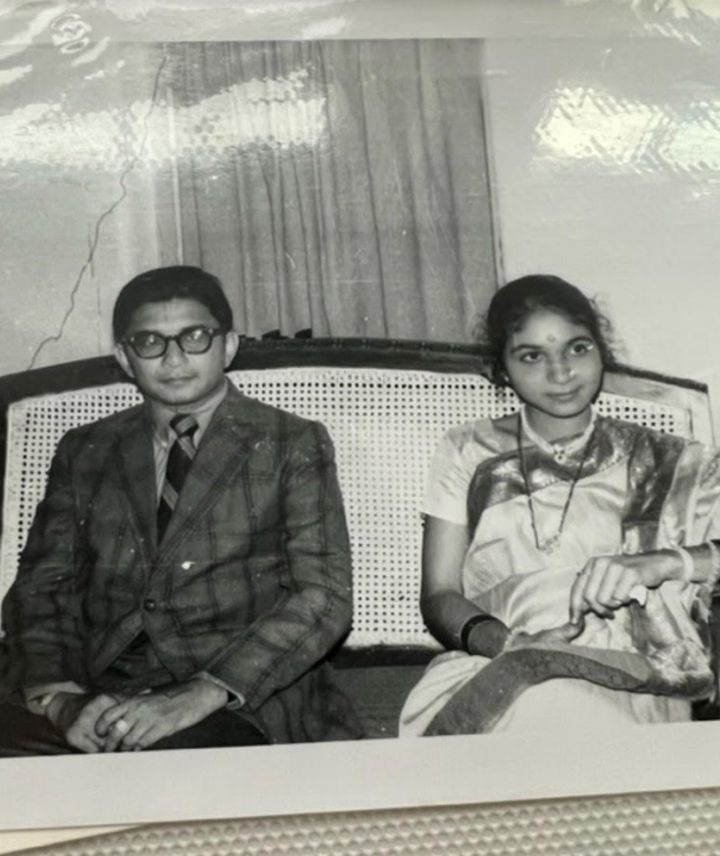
x: 514, y: 302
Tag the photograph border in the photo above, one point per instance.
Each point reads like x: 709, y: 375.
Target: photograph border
x: 373, y: 774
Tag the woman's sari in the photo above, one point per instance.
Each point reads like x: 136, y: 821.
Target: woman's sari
x: 636, y: 490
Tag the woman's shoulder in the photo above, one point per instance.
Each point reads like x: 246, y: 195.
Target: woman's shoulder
x: 462, y: 450
x: 652, y: 451
x: 631, y: 434
x: 483, y: 436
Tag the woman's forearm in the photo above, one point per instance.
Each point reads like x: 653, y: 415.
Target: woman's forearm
x: 698, y: 564
x: 705, y: 563
x: 447, y: 614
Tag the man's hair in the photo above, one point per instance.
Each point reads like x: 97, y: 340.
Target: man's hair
x: 171, y: 283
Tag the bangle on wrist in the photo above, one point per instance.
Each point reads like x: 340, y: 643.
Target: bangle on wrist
x: 714, y: 548
x: 469, y: 626
x: 687, y: 563
x: 43, y: 702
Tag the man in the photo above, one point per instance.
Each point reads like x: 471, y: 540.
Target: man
x: 189, y: 566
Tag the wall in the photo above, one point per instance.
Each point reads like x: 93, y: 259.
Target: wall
x: 607, y: 158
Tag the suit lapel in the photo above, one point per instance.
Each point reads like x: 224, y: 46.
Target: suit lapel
x: 137, y: 466
x: 223, y: 450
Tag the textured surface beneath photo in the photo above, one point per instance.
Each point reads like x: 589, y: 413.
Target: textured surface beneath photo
x: 663, y: 823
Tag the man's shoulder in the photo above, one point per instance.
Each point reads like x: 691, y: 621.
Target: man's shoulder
x: 265, y: 416
x: 108, y: 427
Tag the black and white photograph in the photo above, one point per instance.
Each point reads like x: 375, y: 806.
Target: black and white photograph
x: 359, y: 393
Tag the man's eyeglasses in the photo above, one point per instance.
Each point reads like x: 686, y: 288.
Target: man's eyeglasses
x: 149, y: 344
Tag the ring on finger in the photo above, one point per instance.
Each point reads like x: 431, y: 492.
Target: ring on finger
x: 121, y: 727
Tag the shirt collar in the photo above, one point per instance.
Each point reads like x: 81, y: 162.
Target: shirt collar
x: 160, y: 416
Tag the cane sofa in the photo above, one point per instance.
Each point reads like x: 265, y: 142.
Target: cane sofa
x: 386, y: 405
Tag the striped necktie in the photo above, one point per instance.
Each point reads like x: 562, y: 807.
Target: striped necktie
x: 179, y: 462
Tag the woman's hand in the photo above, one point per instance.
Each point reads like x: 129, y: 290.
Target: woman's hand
x: 608, y: 582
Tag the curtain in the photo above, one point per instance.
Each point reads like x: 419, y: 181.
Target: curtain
x: 338, y: 186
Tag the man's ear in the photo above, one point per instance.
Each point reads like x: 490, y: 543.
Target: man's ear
x: 122, y: 358
x: 231, y: 345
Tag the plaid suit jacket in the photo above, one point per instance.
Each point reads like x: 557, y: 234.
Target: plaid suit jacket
x: 250, y: 584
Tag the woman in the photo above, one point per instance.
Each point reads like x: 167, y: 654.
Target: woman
x: 554, y: 536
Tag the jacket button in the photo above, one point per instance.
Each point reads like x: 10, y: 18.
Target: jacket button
x: 149, y: 604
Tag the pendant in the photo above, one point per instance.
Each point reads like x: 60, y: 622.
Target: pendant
x: 551, y: 544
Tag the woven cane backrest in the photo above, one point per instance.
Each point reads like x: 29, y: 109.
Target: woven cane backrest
x: 385, y: 424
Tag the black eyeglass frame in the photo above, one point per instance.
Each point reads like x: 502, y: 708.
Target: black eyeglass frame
x: 177, y: 338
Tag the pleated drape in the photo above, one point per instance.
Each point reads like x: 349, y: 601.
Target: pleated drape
x: 338, y: 186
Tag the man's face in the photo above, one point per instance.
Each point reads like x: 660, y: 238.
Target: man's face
x: 178, y: 380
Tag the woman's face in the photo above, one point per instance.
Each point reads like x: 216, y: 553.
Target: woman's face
x: 555, y: 366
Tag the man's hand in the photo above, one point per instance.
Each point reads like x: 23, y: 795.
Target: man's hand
x: 76, y: 715
x: 608, y: 582
x: 138, y: 722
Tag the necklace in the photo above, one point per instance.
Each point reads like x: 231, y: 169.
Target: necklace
x: 549, y: 545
